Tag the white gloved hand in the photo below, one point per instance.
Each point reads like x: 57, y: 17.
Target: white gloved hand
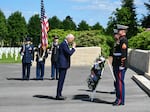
x: 22, y: 54
x: 121, y: 68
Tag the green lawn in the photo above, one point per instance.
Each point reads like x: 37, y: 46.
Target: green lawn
x: 10, y: 59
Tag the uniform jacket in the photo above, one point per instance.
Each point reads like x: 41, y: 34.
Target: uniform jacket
x: 64, y: 55
x: 124, y: 50
x: 55, y: 52
x: 41, y: 54
x: 116, y: 55
x: 27, y: 52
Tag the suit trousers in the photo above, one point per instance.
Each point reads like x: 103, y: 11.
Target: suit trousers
x: 62, y: 75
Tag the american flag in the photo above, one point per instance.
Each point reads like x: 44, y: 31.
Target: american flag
x: 44, y: 25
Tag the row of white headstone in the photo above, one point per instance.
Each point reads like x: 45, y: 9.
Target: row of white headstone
x: 13, y: 51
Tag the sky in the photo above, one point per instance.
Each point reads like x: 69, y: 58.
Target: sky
x: 92, y: 11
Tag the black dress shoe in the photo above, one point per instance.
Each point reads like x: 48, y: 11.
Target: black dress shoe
x: 117, y: 104
x: 52, y: 78
x: 60, y: 98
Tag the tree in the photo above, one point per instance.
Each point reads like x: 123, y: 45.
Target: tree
x: 83, y: 26
x: 68, y: 24
x: 34, y: 29
x: 3, y: 27
x: 125, y: 15
x: 97, y: 26
x: 17, y: 28
x: 55, y: 23
x: 146, y: 19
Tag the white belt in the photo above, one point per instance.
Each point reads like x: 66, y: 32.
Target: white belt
x: 117, y: 54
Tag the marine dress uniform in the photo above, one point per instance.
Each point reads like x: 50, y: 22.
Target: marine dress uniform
x: 122, y: 62
x: 27, y: 53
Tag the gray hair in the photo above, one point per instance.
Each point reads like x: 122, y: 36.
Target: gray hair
x: 69, y: 36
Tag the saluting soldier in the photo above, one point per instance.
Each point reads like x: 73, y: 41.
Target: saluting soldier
x: 116, y: 57
x: 122, y: 63
x: 40, y: 59
x: 27, y: 53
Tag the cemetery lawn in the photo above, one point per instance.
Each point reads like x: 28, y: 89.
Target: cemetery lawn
x: 10, y: 59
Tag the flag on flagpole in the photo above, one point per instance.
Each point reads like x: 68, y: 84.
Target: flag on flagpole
x: 44, y: 26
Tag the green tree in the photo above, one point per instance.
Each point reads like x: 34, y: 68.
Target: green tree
x: 83, y: 26
x: 140, y: 41
x: 126, y: 15
x: 3, y: 27
x: 17, y: 28
x: 97, y: 26
x: 55, y: 23
x: 34, y: 29
x: 146, y: 19
x: 68, y: 24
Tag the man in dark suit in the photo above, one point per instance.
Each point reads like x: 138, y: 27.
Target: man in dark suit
x: 65, y: 53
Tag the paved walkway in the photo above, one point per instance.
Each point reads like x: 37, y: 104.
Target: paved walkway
x: 38, y: 96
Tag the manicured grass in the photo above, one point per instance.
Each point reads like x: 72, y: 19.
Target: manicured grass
x: 10, y: 59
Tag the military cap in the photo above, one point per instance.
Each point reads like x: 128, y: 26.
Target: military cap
x: 115, y: 31
x: 122, y: 27
x: 27, y: 39
x: 55, y: 37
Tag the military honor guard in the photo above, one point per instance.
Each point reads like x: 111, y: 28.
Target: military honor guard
x: 54, y: 58
x: 116, y: 57
x: 120, y: 64
x: 27, y: 53
x: 40, y: 59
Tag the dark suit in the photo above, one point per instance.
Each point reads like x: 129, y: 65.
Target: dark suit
x: 63, y: 63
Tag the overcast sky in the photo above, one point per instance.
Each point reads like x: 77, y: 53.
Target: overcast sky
x: 91, y: 11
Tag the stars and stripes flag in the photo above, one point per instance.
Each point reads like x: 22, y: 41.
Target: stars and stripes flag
x: 44, y: 26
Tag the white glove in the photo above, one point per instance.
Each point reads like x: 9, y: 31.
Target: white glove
x: 22, y: 54
x: 121, y: 68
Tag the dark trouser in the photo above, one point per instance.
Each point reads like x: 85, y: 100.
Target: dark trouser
x: 26, y: 68
x: 54, y: 69
x: 115, y: 71
x: 62, y: 75
x: 120, y: 86
x: 40, y: 70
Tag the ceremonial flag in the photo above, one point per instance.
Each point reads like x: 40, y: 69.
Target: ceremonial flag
x: 44, y: 26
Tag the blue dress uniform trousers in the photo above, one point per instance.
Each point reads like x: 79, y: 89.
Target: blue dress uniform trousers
x: 62, y: 75
x: 40, y: 70
x: 26, y: 68
x: 120, y: 86
x: 115, y: 71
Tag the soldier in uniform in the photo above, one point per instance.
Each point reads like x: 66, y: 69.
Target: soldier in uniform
x: 40, y: 59
x: 27, y: 53
x: 54, y: 58
x: 116, y: 58
x: 122, y: 62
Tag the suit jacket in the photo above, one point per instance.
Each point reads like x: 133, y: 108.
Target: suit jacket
x: 64, y: 55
